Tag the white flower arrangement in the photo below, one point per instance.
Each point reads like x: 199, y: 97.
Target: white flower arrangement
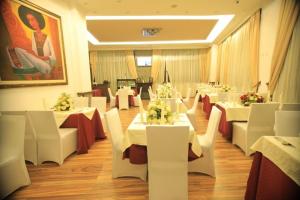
x: 64, y: 103
x: 159, y: 112
x: 226, y: 88
x: 165, y: 90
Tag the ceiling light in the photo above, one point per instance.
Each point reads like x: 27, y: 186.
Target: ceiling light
x: 158, y: 17
x: 91, y: 38
x: 149, y: 32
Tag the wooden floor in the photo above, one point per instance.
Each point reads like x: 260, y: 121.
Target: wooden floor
x: 88, y: 176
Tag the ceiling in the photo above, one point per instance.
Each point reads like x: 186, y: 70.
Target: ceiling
x: 131, y: 30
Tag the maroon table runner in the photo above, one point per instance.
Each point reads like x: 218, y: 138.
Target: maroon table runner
x: 225, y: 127
x: 207, y: 106
x: 267, y: 181
x: 87, y: 130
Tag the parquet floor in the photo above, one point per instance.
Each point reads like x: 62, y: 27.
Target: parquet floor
x: 88, y: 176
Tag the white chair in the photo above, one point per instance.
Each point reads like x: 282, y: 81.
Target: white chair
x: 121, y: 167
x: 13, y: 171
x: 135, y: 98
x: 290, y: 106
x: 151, y: 94
x: 260, y: 123
x: 123, y: 99
x: 287, y: 123
x: 112, y: 99
x: 188, y: 95
x: 30, y: 142
x: 140, y: 103
x: 81, y: 102
x: 206, y: 163
x: 54, y: 144
x: 167, y: 151
x: 191, y: 113
x: 100, y: 104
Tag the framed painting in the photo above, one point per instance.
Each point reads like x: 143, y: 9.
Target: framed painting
x: 31, y: 46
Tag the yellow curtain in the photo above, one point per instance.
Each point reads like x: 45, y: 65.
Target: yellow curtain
x: 93, y: 62
x: 156, y: 63
x: 204, y: 63
x: 131, y: 63
x: 287, y: 18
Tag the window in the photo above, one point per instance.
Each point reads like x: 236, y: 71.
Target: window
x: 143, y: 58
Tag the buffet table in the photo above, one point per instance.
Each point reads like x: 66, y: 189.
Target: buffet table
x: 88, y: 124
x: 275, y: 171
x: 135, y: 140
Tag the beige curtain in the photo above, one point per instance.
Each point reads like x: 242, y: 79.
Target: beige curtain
x: 156, y: 63
x: 287, y: 89
x: 287, y: 18
x: 204, y: 58
x: 131, y: 63
x: 238, y: 56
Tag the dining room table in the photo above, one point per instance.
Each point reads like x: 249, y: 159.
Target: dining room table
x: 134, y: 144
x: 275, y: 170
x: 231, y: 111
x: 88, y: 123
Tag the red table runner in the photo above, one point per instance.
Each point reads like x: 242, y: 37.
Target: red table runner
x: 137, y: 154
x: 207, y: 106
x: 225, y: 127
x: 87, y: 130
x: 267, y: 181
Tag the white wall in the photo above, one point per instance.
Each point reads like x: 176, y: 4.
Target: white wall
x: 268, y: 30
x: 77, y: 61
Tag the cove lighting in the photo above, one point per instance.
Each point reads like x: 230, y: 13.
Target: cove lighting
x: 223, y: 21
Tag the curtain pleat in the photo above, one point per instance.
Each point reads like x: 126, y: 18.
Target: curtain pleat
x: 131, y: 63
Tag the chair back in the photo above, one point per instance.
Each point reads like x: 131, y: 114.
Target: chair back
x: 44, y: 124
x: 167, y: 150
x: 213, y: 125
x: 141, y: 89
x: 12, y: 133
x: 99, y: 103
x: 291, y: 106
x: 123, y: 99
x: 81, y: 102
x: 195, y: 104
x: 110, y: 93
x: 29, y: 130
x: 115, y: 127
x: 140, y: 102
x: 262, y: 117
x: 287, y: 123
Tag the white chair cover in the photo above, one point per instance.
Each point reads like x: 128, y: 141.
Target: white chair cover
x: 30, y: 142
x: 123, y: 99
x: 191, y: 113
x: 100, y: 104
x: 188, y: 95
x: 54, y: 144
x: 81, y: 102
x: 112, y: 99
x: 13, y: 171
x: 260, y: 123
x: 135, y: 98
x: 120, y: 167
x: 287, y: 123
x: 167, y: 150
x: 206, y: 164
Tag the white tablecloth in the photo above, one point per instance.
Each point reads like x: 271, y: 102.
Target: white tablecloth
x: 136, y: 133
x: 284, y: 152
x: 61, y: 116
x: 130, y: 92
x: 235, y: 111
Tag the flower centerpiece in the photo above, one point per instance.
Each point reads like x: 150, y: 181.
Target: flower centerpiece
x: 251, y: 97
x: 165, y: 90
x: 64, y: 103
x: 225, y: 88
x: 159, y: 112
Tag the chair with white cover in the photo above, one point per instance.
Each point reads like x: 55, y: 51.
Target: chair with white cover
x: 112, y: 99
x: 135, y: 98
x: 260, y: 123
x: 206, y: 163
x: 287, y: 123
x: 167, y: 151
x: 121, y: 167
x: 188, y: 95
x: 100, y: 104
x: 191, y: 113
x: 13, y: 171
x: 81, y: 102
x: 290, y: 106
x: 140, y: 103
x: 30, y: 142
x: 151, y: 94
x: 54, y: 144
x: 123, y: 99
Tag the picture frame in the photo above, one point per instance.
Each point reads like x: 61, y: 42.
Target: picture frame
x: 31, y: 46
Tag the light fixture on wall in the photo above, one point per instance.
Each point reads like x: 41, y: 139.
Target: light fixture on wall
x: 149, y: 32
